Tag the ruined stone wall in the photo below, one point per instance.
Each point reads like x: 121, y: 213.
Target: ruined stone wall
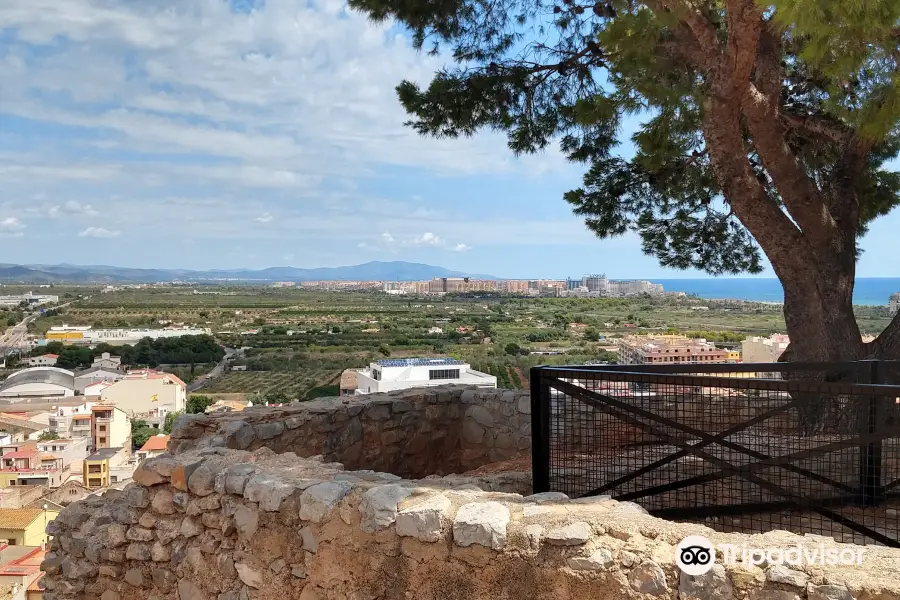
x: 412, y: 433
x: 221, y: 524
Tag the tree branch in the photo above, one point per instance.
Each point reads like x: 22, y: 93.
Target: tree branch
x: 798, y: 191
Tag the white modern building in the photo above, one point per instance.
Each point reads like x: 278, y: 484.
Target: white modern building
x: 392, y: 374
x: 83, y: 379
x: 44, y: 360
x: 894, y: 303
x: 29, y: 298
x: 39, y: 382
x: 107, y: 362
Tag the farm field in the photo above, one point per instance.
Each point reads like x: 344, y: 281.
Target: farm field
x: 297, y: 342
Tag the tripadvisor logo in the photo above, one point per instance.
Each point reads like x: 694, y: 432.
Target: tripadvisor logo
x: 696, y: 555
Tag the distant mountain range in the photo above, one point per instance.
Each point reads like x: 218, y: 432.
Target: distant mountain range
x: 370, y: 271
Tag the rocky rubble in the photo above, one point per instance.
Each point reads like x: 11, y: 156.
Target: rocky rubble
x: 226, y: 524
x: 235, y: 513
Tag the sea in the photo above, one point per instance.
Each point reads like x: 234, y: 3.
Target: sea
x: 872, y: 291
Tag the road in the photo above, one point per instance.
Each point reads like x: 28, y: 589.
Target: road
x: 215, y: 372
x: 14, y: 337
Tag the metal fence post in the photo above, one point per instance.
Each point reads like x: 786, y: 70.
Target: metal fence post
x: 870, y: 453
x: 540, y: 431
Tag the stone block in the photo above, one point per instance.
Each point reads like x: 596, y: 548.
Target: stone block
x: 246, y: 521
x: 379, y: 506
x: 317, y: 501
x: 238, y: 435
x: 426, y: 520
x: 202, y: 481
x: 182, y: 473
x: 571, y: 534
x: 482, y: 523
x: 786, y: 576
x: 648, y: 578
x: 268, y: 491
x: 598, y: 560
x: 480, y: 415
x: 472, y: 432
x: 162, y: 503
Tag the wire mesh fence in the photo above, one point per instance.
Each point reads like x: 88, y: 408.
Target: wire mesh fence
x: 810, y: 448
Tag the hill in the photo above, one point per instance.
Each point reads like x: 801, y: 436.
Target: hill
x: 375, y: 270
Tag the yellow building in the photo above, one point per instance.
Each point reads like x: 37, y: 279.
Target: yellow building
x: 97, y: 466
x: 25, y: 526
x: 110, y: 427
x: 734, y: 356
x: 64, y: 336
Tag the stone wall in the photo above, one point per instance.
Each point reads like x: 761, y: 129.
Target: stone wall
x: 412, y: 433
x: 218, y: 524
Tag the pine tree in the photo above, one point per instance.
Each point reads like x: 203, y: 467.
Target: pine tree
x: 765, y: 128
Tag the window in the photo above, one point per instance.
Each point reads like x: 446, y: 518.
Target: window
x: 376, y: 374
x: 114, y: 479
x: 103, y: 428
x: 443, y: 374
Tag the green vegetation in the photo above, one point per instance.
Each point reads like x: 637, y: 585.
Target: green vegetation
x: 309, y: 337
x: 188, y: 349
x: 197, y: 404
x: 170, y: 421
x: 762, y: 128
x: 140, y: 433
x: 48, y: 436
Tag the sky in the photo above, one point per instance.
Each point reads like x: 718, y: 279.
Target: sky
x: 224, y: 134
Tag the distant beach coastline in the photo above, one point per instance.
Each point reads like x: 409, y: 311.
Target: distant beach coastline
x: 871, y: 291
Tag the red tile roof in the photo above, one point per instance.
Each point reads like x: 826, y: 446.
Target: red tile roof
x: 21, y: 454
x: 157, y: 442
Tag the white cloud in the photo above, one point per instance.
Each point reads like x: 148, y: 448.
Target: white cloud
x: 461, y: 248
x: 427, y: 239
x: 71, y: 208
x: 98, y: 232
x: 264, y: 218
x: 11, y: 224
x: 297, y: 88
x: 289, y: 257
x: 387, y: 238
x: 11, y: 227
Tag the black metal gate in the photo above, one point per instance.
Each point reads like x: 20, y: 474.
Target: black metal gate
x: 810, y: 448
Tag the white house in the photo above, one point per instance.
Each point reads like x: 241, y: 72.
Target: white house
x: 84, y: 379
x: 146, y: 391
x: 44, y: 360
x: 39, y: 382
x: 107, y: 362
x: 71, y: 421
x: 404, y: 373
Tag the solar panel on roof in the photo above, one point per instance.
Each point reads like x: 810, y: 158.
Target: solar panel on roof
x: 419, y: 362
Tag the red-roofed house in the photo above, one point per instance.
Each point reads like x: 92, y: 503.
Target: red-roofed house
x: 20, y: 568
x: 155, y: 446
x: 26, y: 464
x: 44, y: 360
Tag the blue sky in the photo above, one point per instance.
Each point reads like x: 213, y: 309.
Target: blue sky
x: 198, y: 134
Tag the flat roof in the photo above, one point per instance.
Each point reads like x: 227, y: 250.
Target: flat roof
x: 418, y: 362
x: 103, y: 454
